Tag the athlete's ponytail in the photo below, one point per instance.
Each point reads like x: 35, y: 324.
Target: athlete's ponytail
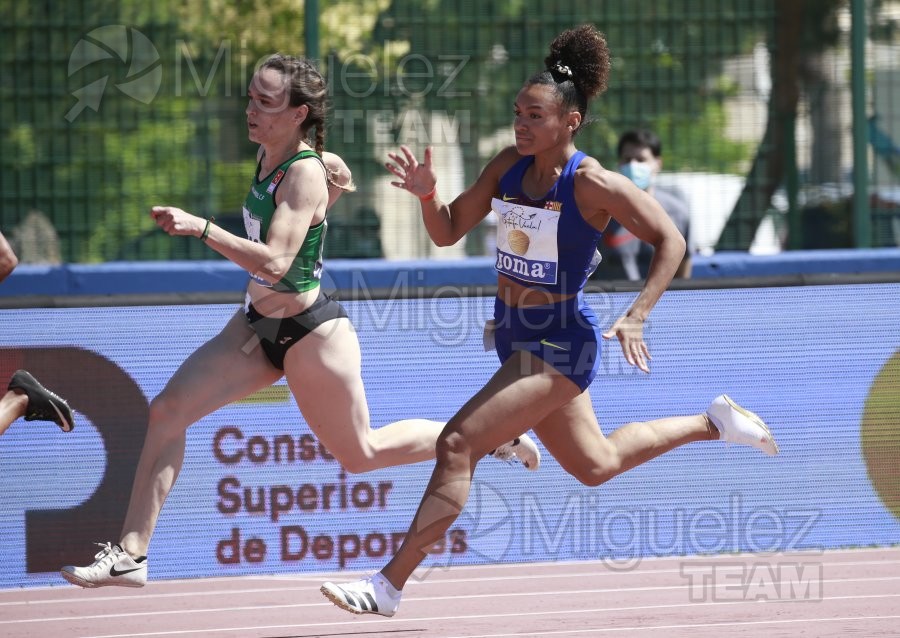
x: 577, y: 66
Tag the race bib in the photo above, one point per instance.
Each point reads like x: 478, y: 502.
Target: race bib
x: 252, y: 226
x: 526, y: 242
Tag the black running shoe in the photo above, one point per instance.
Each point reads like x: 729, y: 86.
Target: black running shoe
x: 43, y: 405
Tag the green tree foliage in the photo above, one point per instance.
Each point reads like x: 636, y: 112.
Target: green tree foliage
x: 97, y: 175
x: 667, y: 59
x: 802, y: 30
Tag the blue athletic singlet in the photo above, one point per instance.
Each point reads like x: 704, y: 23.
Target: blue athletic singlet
x: 545, y: 243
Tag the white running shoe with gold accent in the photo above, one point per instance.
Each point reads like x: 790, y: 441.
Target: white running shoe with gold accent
x: 741, y: 426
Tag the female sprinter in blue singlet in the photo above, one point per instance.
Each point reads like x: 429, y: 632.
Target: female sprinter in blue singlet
x: 552, y: 203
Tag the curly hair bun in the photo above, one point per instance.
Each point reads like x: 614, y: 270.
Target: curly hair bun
x: 582, y: 55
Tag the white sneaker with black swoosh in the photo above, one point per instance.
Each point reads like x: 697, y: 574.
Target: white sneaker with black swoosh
x: 371, y: 595
x: 112, y: 566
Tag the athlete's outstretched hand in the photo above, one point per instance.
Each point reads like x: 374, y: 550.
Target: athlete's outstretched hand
x: 176, y: 221
x: 418, y: 179
x: 630, y: 332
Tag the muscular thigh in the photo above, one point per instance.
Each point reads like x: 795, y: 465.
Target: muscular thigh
x: 573, y: 436
x: 323, y: 371
x: 524, y: 390
x: 226, y: 368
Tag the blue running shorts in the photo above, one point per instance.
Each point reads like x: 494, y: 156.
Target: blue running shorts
x: 565, y: 334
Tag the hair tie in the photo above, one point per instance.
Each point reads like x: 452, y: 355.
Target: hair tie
x: 562, y: 69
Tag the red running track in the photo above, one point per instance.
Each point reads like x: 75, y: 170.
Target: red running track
x: 820, y: 594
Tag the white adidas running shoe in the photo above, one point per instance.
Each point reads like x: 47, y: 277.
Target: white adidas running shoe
x: 741, y: 426
x: 112, y: 566
x: 522, y: 449
x: 371, y: 595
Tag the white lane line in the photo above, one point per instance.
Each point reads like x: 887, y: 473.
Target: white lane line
x: 565, y: 592
x: 316, y: 577
x: 736, y: 623
x: 392, y: 621
x: 342, y: 576
x: 174, y: 612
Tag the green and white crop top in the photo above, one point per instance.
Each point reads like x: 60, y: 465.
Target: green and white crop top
x: 259, y: 207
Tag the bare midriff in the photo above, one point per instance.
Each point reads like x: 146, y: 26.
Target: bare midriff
x: 516, y: 295
x: 280, y: 304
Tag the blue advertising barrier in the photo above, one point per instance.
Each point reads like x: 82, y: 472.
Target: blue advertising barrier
x: 121, y: 278
x: 259, y: 495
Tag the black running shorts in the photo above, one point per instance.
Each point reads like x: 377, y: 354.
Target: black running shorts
x: 277, y: 335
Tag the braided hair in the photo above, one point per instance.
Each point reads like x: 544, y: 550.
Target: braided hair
x: 306, y: 86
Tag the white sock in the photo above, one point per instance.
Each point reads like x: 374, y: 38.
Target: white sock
x: 392, y: 591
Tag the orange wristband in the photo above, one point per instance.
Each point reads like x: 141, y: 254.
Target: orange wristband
x: 429, y: 196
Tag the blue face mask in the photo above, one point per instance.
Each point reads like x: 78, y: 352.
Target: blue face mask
x: 638, y: 172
